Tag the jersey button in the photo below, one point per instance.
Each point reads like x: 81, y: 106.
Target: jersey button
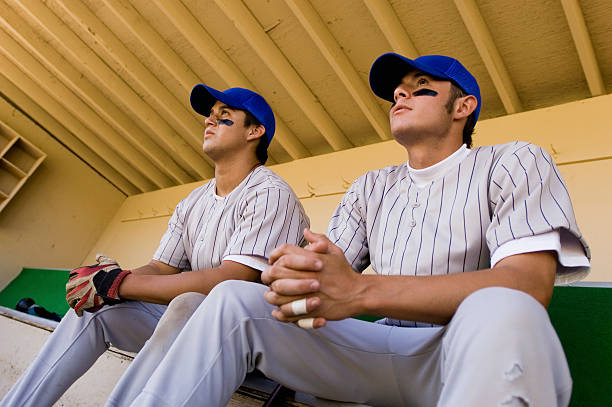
x: 412, y: 223
x: 416, y: 205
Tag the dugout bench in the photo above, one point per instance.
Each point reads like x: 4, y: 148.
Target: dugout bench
x: 581, y: 314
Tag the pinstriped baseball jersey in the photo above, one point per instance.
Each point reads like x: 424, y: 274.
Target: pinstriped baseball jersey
x: 261, y: 213
x: 450, y: 218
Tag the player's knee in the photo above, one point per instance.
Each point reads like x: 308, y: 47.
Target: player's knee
x: 185, y: 303
x: 499, y: 308
x: 237, y: 294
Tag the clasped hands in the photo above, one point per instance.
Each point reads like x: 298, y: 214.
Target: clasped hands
x: 318, y: 274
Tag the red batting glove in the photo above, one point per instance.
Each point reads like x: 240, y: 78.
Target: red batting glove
x: 90, y: 287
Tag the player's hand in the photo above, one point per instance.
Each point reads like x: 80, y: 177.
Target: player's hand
x: 318, y: 273
x: 90, y: 287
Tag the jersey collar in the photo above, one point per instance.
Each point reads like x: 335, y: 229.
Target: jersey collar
x: 426, y: 175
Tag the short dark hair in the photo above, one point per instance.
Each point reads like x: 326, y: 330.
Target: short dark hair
x: 468, y: 129
x: 262, y: 148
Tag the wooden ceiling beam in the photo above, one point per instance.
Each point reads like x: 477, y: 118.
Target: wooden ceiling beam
x: 274, y: 59
x: 17, y: 97
x: 158, y: 127
x: 203, y: 42
x: 32, y: 86
x: 48, y: 81
x: 392, y: 28
x: 329, y: 47
x: 94, y: 97
x: 485, y: 45
x: 173, y: 111
x: 584, y: 46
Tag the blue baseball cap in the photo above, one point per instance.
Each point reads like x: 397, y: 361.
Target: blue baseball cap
x: 389, y: 69
x: 204, y: 97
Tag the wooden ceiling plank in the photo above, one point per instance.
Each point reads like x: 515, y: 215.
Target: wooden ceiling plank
x: 182, y: 121
x: 329, y: 47
x: 86, y: 90
x: 274, y: 59
x: 584, y: 46
x: 67, y: 119
x: 203, y: 42
x: 96, y: 66
x: 17, y: 97
x: 79, y: 110
x: 391, y: 27
x: 476, y: 26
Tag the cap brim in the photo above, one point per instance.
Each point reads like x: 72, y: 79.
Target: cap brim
x: 389, y: 69
x: 203, y: 98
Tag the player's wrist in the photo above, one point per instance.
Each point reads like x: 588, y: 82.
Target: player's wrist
x: 123, y: 288
x: 362, y: 301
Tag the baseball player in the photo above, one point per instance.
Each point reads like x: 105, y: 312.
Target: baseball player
x: 466, y: 244
x: 223, y: 230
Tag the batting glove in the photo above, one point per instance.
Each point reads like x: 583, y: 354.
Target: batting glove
x: 90, y: 287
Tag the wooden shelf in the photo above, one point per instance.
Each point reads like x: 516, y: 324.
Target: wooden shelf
x: 18, y: 160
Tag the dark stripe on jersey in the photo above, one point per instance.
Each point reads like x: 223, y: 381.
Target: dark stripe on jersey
x: 339, y: 212
x: 450, y: 220
x: 510, y: 175
x: 404, y: 253
x: 525, y: 171
x: 224, y: 231
x: 481, y: 234
x: 416, y: 264
x: 467, y: 197
x: 252, y: 216
x: 399, y: 223
x: 272, y: 225
x: 527, y: 217
x: 382, y: 242
x: 290, y: 223
x: 373, y: 185
x: 433, y: 248
x: 382, y: 199
x: 349, y: 216
x: 510, y: 224
x: 284, y: 221
x: 549, y: 187
x: 353, y: 237
x: 555, y: 171
x: 262, y: 222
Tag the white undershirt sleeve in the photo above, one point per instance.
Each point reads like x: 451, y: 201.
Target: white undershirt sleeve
x: 573, y: 264
x: 256, y: 262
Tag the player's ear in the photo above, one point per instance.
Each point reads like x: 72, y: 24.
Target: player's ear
x: 255, y: 132
x: 464, y: 106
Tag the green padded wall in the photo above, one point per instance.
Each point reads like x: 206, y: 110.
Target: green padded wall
x: 582, y: 317
x: 47, y: 287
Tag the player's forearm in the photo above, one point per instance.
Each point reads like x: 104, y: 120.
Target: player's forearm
x: 155, y: 268
x: 435, y: 299
x: 161, y: 289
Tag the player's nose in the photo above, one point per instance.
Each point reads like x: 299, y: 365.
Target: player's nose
x: 211, y: 120
x: 400, y: 93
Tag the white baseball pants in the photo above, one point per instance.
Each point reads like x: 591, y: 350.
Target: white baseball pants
x: 140, y: 370
x: 500, y: 349
x: 76, y: 344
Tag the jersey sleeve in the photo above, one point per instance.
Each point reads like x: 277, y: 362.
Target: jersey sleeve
x: 529, y: 198
x: 171, y: 249
x: 347, y: 227
x: 269, y: 217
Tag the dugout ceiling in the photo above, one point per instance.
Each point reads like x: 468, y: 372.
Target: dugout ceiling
x: 110, y: 79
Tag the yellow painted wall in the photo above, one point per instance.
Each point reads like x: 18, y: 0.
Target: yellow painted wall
x: 59, y: 214
x: 578, y: 135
